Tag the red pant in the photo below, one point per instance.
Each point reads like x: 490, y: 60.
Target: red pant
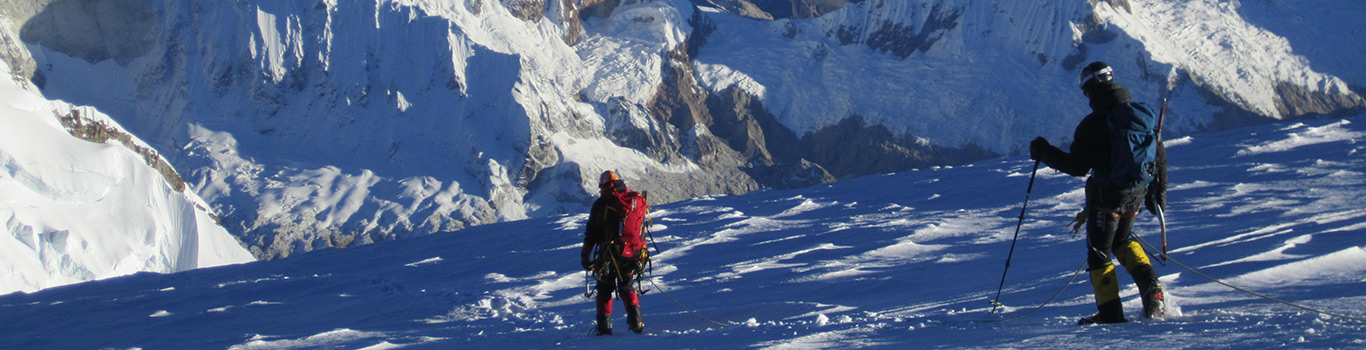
x: 618, y: 281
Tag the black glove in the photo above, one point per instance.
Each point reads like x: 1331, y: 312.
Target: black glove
x: 1038, y: 148
x: 1155, y: 198
x: 587, y: 265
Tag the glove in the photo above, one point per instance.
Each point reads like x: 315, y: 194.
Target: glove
x: 1156, y: 199
x: 587, y: 265
x: 1038, y: 148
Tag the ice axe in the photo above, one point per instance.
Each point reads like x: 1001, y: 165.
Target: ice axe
x: 1172, y: 76
x: 1162, y: 221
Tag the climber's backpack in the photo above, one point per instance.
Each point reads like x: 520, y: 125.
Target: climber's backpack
x: 631, y: 208
x: 1133, y: 146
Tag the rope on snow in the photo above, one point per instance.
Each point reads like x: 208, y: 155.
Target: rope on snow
x: 1249, y: 292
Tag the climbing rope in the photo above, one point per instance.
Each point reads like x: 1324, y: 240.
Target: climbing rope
x: 685, y: 308
x: 1050, y: 300
x: 1244, y: 290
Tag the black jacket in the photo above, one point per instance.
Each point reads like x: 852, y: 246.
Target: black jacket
x: 1091, y: 149
x: 599, y: 227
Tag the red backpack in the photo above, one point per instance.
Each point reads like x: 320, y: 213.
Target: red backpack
x: 633, y: 211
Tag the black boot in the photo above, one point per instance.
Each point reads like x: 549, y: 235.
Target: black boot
x: 1154, y: 302
x: 1108, y: 307
x: 633, y: 320
x: 604, y: 324
x: 1150, y: 289
x: 1110, y: 312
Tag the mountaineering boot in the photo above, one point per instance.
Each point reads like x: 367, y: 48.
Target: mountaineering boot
x: 604, y: 325
x: 1100, y: 318
x: 1110, y: 312
x: 1154, y: 302
x: 1138, y: 265
x: 633, y: 320
x: 1109, y: 309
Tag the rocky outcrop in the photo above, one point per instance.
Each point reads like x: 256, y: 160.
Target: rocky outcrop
x: 854, y: 148
x: 100, y: 132
x: 739, y: 7
x: 1298, y: 101
x: 527, y: 10
x: 796, y: 9
x: 903, y: 39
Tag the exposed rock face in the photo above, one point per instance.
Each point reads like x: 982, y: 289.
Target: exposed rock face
x: 99, y: 132
x: 739, y: 7
x: 853, y: 148
x: 120, y: 30
x: 902, y: 39
x: 569, y: 13
x: 598, y: 8
x: 527, y: 10
x: 772, y: 152
x: 799, y: 8
x: 1297, y: 101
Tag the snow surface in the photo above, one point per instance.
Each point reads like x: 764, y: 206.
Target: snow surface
x: 905, y: 260
x: 75, y: 211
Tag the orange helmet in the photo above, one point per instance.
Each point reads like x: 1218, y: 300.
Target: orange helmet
x: 607, y: 178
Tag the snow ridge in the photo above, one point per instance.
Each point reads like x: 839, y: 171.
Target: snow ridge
x: 77, y: 211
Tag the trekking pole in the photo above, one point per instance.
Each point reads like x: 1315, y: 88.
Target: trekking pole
x: 997, y: 302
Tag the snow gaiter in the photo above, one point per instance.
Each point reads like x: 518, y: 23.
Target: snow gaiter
x: 631, y: 300
x: 1136, y: 262
x: 1106, y: 285
x: 633, y: 319
x: 604, y: 324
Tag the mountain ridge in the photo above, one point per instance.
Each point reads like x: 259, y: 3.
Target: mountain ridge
x: 328, y: 124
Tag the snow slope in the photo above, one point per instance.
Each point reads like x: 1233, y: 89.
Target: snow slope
x: 905, y: 260
x: 75, y: 210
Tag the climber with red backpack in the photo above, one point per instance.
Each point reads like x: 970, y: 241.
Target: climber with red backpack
x: 1119, y: 144
x: 614, y: 249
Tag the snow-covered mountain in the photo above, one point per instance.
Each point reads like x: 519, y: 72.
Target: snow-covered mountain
x: 900, y: 261
x: 81, y: 199
x: 319, y: 123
